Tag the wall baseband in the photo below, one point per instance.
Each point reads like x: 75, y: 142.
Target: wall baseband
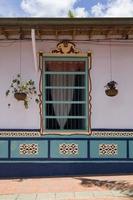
x: 19, y: 133
x: 36, y: 133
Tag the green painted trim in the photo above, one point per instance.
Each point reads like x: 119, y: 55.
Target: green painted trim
x: 62, y: 73
x: 65, y: 87
x: 65, y: 117
x: 72, y: 102
x: 63, y: 130
x: 68, y: 58
x: 64, y: 58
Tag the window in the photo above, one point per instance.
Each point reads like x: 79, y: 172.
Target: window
x: 65, y: 99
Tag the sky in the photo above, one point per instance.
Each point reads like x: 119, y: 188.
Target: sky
x: 60, y: 8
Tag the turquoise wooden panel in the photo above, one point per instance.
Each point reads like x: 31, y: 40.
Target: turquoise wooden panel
x: 131, y: 149
x: 68, y: 149
x: 108, y: 149
x: 3, y: 149
x: 29, y: 149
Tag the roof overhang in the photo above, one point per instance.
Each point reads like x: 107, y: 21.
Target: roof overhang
x: 20, y: 28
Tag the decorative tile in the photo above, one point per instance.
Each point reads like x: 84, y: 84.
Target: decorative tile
x: 112, y: 133
x: 112, y: 149
x: 28, y: 149
x: 108, y: 149
x: 19, y: 133
x: 68, y: 149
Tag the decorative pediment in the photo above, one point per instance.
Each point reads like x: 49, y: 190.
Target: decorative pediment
x: 66, y: 47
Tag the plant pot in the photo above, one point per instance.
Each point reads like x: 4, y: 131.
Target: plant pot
x: 111, y: 92
x: 20, y: 96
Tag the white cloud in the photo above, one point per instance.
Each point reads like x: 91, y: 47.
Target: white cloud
x: 6, y: 9
x: 51, y: 8
x: 98, y: 10
x: 60, y: 8
x: 80, y: 12
x: 113, y: 8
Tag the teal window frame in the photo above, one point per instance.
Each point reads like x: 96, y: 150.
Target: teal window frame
x: 66, y: 58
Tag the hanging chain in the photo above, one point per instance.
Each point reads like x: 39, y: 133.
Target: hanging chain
x: 110, y: 60
x: 20, y: 58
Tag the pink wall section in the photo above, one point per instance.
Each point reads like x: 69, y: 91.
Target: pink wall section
x: 107, y: 112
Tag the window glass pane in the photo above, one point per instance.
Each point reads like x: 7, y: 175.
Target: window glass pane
x: 78, y: 94
x: 76, y: 110
x: 65, y: 95
x: 72, y: 124
x: 65, y: 66
x: 79, y: 79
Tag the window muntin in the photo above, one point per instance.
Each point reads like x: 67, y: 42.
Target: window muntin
x: 65, y: 95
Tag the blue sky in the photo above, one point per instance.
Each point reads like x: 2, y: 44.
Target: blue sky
x: 59, y: 8
x: 88, y: 3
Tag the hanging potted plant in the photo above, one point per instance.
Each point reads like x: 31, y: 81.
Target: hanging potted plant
x: 111, y: 89
x: 23, y: 91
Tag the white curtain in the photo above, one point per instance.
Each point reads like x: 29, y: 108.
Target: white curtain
x: 62, y: 109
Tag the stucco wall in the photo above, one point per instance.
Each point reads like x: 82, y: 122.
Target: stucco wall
x: 107, y: 112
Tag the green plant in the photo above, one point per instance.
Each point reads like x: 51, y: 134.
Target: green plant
x: 27, y: 89
x: 71, y: 14
x: 111, y: 89
x: 111, y: 84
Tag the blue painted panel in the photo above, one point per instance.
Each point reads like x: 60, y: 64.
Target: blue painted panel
x: 63, y: 169
x: 68, y: 149
x: 3, y: 149
x: 131, y: 149
x: 108, y: 149
x: 29, y: 149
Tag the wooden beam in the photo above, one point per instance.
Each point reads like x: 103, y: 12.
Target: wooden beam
x: 56, y: 34
x: 5, y: 33
x: 21, y: 34
x: 39, y: 34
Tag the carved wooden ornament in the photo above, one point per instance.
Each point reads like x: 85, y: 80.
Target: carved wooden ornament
x: 66, y: 47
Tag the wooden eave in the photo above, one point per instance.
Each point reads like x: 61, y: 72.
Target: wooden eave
x: 20, y: 28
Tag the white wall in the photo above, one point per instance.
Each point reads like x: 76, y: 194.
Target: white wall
x: 107, y: 112
x: 16, y: 116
